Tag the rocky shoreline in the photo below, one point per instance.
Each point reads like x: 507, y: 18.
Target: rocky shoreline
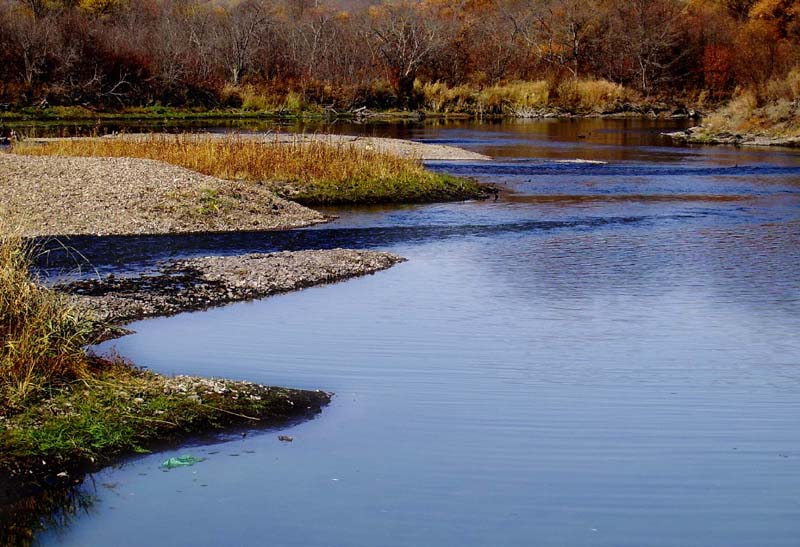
x: 202, y: 283
x: 77, y: 425
x: 702, y: 135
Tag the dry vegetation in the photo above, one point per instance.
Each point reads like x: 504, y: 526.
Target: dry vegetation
x: 311, y: 172
x: 42, y: 334
x: 290, y: 56
x: 772, y: 110
x: 527, y: 99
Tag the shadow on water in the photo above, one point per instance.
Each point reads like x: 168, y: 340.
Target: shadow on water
x: 122, y: 253
x: 541, y: 168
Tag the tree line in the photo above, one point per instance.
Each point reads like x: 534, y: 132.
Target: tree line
x: 116, y: 53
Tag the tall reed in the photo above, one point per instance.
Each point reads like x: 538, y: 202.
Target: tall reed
x: 42, y: 334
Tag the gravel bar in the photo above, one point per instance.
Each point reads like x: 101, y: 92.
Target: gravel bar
x: 201, y: 283
x: 54, y: 195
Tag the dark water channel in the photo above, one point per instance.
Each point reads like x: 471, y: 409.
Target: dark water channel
x: 608, y: 355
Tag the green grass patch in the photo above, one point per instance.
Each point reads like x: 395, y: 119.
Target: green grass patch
x: 62, y: 406
x: 121, y: 409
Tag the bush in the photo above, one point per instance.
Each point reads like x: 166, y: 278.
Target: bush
x: 525, y: 98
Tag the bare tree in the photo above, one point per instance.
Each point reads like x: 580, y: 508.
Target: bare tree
x: 241, y: 29
x: 33, y: 40
x: 404, y: 38
x: 38, y: 7
x: 496, y: 50
x: 646, y: 34
x: 557, y: 30
x: 314, y: 38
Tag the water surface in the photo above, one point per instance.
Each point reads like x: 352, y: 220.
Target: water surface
x: 607, y: 355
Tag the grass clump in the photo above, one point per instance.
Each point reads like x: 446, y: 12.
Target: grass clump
x: 592, y: 95
x: 42, y: 334
x: 311, y: 171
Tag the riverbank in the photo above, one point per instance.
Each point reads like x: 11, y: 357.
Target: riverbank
x: 768, y: 117
x: 438, y: 103
x: 709, y: 135
x: 99, y: 410
x: 119, y: 410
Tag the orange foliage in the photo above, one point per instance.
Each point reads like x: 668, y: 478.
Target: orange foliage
x: 112, y: 53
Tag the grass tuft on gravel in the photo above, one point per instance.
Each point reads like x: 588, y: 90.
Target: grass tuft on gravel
x: 312, y: 172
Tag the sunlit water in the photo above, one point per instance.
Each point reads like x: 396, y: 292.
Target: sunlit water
x: 607, y: 355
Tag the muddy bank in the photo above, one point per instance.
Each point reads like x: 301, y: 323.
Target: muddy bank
x: 201, y: 283
x: 702, y: 135
x: 50, y: 195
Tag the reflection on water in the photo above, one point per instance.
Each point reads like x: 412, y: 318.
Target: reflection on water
x: 606, y: 356
x: 51, y: 510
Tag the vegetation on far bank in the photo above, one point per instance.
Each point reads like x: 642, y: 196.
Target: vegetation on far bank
x: 519, y: 99
x: 512, y: 98
x: 768, y: 114
x: 312, y: 172
x: 292, y: 56
x: 771, y: 110
x: 531, y: 98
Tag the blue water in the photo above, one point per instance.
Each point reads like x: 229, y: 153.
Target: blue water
x: 607, y: 355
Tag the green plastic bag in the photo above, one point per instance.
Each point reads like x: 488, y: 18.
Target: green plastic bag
x: 181, y: 461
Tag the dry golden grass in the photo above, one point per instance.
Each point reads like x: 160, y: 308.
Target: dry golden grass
x: 592, y: 95
x: 525, y: 98
x: 308, y: 171
x: 42, y: 334
x: 262, y: 100
x: 773, y: 110
x: 515, y: 97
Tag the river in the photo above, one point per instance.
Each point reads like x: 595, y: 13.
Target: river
x: 607, y: 355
